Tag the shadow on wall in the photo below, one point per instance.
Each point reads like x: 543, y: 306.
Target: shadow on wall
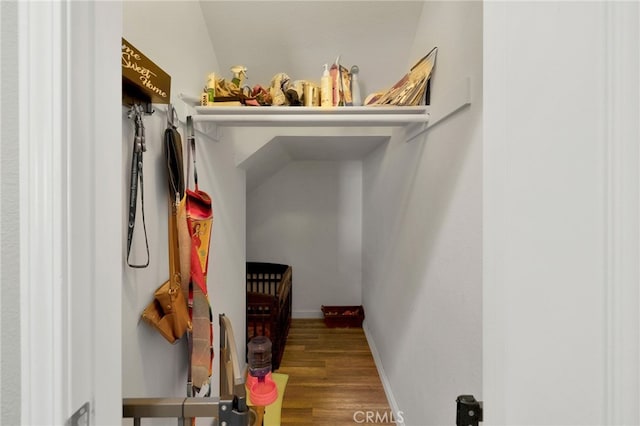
x: 415, y: 197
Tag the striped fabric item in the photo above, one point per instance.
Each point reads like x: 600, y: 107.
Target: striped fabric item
x: 200, y: 222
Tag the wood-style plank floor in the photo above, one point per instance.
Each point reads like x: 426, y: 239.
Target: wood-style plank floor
x: 332, y: 377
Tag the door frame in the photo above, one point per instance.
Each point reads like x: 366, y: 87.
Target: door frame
x: 620, y: 171
x: 66, y: 52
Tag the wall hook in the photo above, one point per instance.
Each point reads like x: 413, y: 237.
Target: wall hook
x: 131, y: 95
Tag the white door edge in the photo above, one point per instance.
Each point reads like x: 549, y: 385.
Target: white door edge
x: 622, y: 190
x: 42, y: 203
x: 53, y: 386
x: 619, y: 335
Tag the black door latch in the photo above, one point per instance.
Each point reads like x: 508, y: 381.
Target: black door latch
x: 469, y: 411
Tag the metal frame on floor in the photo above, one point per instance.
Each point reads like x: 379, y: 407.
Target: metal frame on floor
x: 230, y: 409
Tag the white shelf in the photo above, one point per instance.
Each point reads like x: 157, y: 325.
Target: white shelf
x: 312, y: 116
x: 414, y: 119
x: 257, y: 111
x: 300, y: 116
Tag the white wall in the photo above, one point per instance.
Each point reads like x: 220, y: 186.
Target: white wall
x: 422, y: 235
x: 174, y: 36
x: 314, y: 34
x: 9, y: 218
x: 561, y: 213
x: 308, y: 215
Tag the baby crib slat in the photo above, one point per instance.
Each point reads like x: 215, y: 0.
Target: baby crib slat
x: 269, y: 304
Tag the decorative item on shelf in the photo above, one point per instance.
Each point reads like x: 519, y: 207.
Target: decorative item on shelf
x: 334, y: 89
x: 412, y: 88
x: 355, y: 86
x: 211, y: 88
x: 220, y: 92
x: 222, y: 101
x: 341, y: 84
x: 295, y: 92
x: 335, y: 85
x: 239, y: 74
x: 204, y: 98
x: 334, y: 72
x: 345, y: 87
x: 326, y: 88
x: 277, y: 88
x: 260, y: 95
x: 223, y: 88
x: 311, y: 96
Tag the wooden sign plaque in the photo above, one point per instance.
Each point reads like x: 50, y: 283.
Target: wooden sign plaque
x: 143, y: 80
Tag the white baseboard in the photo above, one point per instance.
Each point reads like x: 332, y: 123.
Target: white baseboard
x: 307, y: 314
x: 386, y: 385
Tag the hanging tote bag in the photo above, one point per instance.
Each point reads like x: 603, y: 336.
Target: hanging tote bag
x: 168, y: 312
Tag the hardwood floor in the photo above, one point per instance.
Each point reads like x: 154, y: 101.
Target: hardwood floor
x: 333, y: 379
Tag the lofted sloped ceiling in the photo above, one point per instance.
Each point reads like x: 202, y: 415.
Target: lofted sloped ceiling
x: 283, y: 149
x: 298, y: 37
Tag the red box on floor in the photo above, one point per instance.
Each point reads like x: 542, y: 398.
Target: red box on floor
x: 343, y: 316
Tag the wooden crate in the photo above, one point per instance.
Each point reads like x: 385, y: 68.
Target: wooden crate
x: 343, y: 316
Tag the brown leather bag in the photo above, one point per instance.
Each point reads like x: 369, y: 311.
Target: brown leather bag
x: 168, y: 311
